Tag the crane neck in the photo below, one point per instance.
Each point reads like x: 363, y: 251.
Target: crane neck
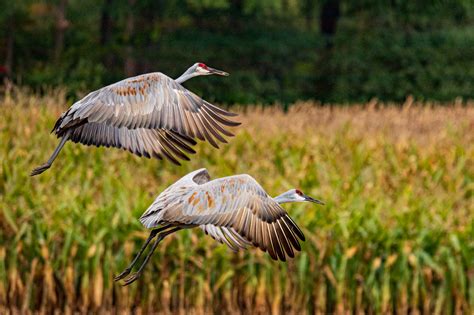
x: 282, y: 199
x: 190, y: 73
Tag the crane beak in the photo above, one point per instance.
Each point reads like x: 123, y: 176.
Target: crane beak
x: 218, y: 72
x: 311, y: 199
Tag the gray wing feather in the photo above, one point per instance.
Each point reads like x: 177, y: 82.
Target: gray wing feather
x: 226, y: 236
x: 120, y: 114
x: 156, y: 143
x: 225, y: 208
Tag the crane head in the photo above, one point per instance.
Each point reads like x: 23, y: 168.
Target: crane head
x: 300, y: 196
x: 202, y: 69
x: 296, y: 195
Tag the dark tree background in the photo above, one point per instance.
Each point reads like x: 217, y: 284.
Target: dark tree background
x: 275, y: 50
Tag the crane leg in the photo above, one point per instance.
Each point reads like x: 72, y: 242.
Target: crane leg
x: 153, y: 233
x: 160, y: 237
x: 40, y: 169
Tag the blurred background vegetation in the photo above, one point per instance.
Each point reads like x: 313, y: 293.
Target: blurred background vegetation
x: 396, y: 235
x: 275, y: 50
x: 396, y: 169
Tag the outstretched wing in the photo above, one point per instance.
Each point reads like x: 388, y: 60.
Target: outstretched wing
x: 128, y: 114
x: 227, y: 207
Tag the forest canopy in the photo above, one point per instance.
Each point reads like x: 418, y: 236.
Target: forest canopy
x: 275, y: 50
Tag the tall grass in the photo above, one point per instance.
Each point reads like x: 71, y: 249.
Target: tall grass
x: 396, y: 234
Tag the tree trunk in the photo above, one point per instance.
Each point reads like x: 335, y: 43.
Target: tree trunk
x: 106, y: 28
x: 330, y: 12
x: 61, y: 26
x: 130, y: 64
x: 10, y: 48
x: 308, y: 13
x: 329, y: 16
x: 236, y: 12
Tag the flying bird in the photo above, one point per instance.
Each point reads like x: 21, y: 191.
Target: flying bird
x: 234, y: 210
x: 149, y: 115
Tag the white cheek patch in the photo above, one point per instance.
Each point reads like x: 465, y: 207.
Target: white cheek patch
x: 300, y: 198
x: 202, y: 70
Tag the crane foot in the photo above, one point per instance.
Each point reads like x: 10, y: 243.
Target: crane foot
x: 40, y: 169
x: 124, y: 273
x: 132, y: 278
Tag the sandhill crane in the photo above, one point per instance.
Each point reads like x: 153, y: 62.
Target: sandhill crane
x: 233, y: 210
x: 148, y: 115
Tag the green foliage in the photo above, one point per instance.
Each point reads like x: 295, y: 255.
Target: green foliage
x: 273, y: 49
x: 391, y: 65
x: 268, y: 73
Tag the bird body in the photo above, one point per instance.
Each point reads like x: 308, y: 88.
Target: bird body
x: 234, y: 210
x: 227, y: 208
x: 149, y: 115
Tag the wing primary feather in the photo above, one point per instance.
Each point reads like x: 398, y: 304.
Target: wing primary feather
x: 270, y: 246
x: 168, y: 155
x: 177, y: 125
x: 133, y: 143
x: 85, y: 135
x: 197, y: 130
x: 180, y: 143
x: 212, y: 130
x: 157, y: 156
x: 251, y: 228
x: 291, y: 235
x: 172, y: 148
x: 283, y: 238
x: 294, y: 227
x: 266, y: 241
x: 220, y: 110
x: 185, y: 138
x: 93, y: 134
x: 223, y: 120
x: 188, y: 117
x: 218, y: 219
x: 243, y: 227
x: 154, y: 147
x: 278, y: 243
x: 217, y: 125
x: 211, y: 231
x: 109, y: 136
x: 236, y: 238
x: 208, y: 137
x: 259, y: 235
x: 103, y: 136
x: 94, y: 130
x: 147, y: 142
x: 187, y: 129
x: 243, y: 240
x: 225, y: 240
x: 240, y: 221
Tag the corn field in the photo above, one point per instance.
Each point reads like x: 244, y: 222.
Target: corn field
x: 396, y: 234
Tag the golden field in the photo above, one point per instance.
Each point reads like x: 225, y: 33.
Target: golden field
x: 396, y: 233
